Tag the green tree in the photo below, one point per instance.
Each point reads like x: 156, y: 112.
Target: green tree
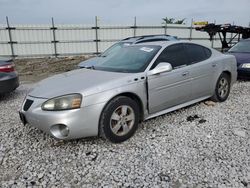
x: 181, y: 21
x: 167, y: 20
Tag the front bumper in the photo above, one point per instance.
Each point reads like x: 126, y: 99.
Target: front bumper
x: 82, y: 122
x: 9, y: 83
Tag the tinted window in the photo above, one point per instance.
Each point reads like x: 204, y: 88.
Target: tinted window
x: 174, y: 54
x: 197, y: 53
x: 208, y: 52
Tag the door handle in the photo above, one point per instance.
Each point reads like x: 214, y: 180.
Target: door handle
x: 214, y: 64
x: 185, y: 73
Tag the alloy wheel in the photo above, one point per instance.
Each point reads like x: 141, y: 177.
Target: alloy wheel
x: 223, y: 87
x: 122, y: 120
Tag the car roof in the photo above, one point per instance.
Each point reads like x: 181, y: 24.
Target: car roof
x: 162, y: 43
x: 149, y: 38
x: 167, y: 43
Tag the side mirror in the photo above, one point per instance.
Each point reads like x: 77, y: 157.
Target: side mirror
x: 161, y: 67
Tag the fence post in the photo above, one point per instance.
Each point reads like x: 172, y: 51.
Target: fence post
x: 134, y: 26
x: 10, y: 38
x: 231, y: 38
x: 191, y: 30
x: 213, y: 37
x: 212, y: 43
x: 96, y: 35
x: 53, y: 28
x: 165, y: 28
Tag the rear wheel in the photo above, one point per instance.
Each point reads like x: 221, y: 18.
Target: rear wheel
x: 222, y: 88
x: 119, y: 119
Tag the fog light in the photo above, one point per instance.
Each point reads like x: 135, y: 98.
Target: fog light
x: 59, y: 131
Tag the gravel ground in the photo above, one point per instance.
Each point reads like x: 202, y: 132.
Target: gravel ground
x: 205, y: 145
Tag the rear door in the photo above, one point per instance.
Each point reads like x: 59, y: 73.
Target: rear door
x: 169, y: 89
x: 201, y: 70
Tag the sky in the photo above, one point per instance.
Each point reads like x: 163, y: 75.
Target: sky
x: 114, y: 12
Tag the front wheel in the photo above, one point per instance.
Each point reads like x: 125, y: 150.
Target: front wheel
x: 222, y: 88
x: 119, y: 119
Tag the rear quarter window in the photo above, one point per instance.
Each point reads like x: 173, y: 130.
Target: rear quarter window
x: 197, y: 53
x: 207, y: 52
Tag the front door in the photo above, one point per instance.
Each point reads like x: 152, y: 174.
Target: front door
x: 172, y: 88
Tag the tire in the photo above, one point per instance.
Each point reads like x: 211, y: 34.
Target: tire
x: 119, y: 119
x: 222, y: 88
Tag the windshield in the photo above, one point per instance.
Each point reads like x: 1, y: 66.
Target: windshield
x: 128, y: 59
x: 115, y: 48
x: 243, y: 47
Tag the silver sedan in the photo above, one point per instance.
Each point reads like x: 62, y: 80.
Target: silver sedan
x: 136, y: 83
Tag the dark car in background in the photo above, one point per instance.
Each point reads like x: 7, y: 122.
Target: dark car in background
x: 125, y: 42
x: 241, y: 51
x: 8, y: 76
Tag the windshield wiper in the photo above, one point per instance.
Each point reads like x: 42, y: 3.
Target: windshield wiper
x: 91, y: 67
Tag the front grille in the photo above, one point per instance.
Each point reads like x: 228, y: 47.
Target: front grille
x: 27, y: 104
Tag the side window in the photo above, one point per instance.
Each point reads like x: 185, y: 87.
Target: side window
x: 174, y: 54
x: 208, y: 52
x: 197, y: 53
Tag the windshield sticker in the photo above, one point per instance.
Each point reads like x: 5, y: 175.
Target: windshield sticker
x: 126, y: 44
x: 145, y: 49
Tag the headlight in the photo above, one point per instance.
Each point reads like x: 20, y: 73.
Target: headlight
x: 246, y: 65
x: 65, y: 102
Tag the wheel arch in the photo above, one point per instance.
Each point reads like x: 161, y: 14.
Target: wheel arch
x: 130, y: 95
x: 228, y: 73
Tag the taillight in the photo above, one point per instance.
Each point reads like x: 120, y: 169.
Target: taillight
x: 7, y: 68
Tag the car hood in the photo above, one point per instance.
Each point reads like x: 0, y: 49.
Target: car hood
x: 241, y: 57
x: 83, y: 81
